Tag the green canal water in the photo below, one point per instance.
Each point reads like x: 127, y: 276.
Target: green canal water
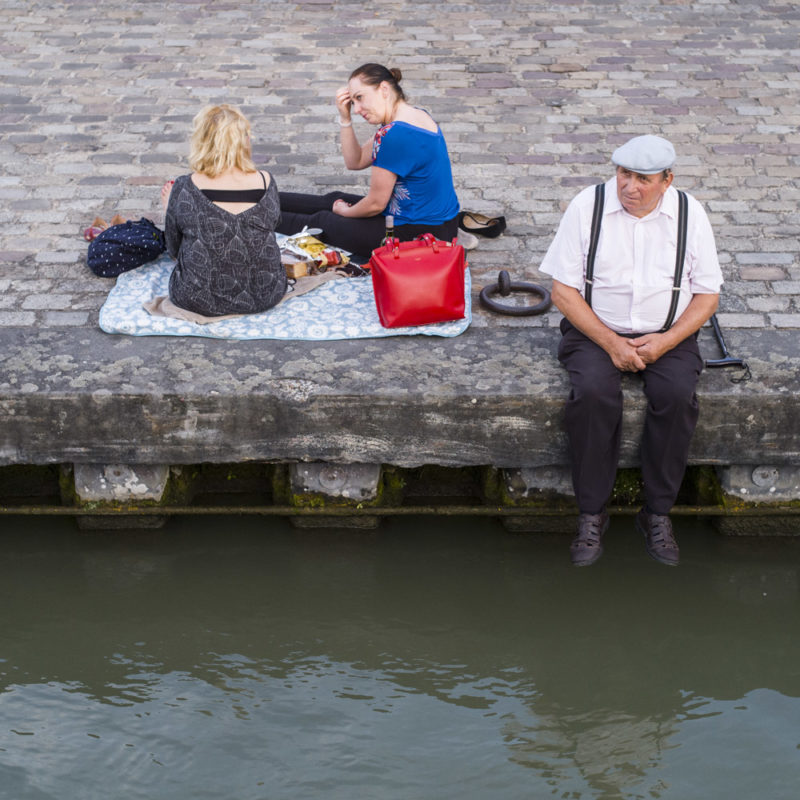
x: 240, y: 658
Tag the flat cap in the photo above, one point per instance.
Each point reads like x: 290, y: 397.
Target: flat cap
x: 646, y: 155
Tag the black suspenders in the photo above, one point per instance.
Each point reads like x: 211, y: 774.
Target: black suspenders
x: 680, y: 257
x: 680, y: 252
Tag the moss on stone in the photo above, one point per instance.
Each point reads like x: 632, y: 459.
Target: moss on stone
x: 701, y: 487
x: 492, y: 486
x: 495, y: 492
x: 178, y: 491
x: 66, y: 481
x: 180, y: 487
x: 389, y: 492
x: 628, y: 488
x: 391, y: 487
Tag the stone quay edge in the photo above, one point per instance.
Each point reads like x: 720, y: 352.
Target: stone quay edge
x: 488, y: 397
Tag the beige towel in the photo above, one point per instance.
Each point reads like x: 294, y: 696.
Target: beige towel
x: 164, y: 307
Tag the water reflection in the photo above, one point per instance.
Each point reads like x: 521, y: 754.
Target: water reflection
x: 430, y: 659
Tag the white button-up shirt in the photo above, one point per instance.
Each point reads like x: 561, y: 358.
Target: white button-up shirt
x: 634, y: 267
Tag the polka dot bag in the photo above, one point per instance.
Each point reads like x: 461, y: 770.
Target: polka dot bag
x: 124, y: 247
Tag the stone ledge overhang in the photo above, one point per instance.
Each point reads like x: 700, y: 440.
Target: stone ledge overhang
x: 492, y: 396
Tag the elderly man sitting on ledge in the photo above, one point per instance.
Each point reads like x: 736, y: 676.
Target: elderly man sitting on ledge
x: 632, y: 302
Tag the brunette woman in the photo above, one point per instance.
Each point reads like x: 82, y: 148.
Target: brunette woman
x: 410, y: 174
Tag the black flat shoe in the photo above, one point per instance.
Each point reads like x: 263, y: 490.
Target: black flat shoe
x: 659, y: 539
x: 587, y: 546
x: 480, y: 224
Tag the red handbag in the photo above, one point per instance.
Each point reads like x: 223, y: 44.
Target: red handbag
x: 419, y: 282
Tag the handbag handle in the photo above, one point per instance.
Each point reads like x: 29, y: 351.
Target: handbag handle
x: 430, y: 240
x: 392, y: 243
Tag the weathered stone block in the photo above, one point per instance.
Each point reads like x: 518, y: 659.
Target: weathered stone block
x: 340, y: 484
x: 763, y: 486
x: 527, y: 483
x: 762, y: 483
x: 538, y: 485
x: 119, y: 485
x: 357, y: 482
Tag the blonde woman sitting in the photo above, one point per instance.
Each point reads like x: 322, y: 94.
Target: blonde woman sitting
x: 220, y: 223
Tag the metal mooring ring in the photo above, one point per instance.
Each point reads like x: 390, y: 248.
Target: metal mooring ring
x: 505, y: 286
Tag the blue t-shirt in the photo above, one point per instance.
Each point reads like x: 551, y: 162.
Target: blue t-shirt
x: 424, y: 192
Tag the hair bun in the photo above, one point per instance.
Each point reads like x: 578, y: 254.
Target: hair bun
x: 396, y: 74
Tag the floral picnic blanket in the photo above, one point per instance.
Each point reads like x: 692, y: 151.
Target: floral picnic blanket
x: 339, y: 309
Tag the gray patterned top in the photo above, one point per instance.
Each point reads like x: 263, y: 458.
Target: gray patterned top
x: 226, y: 263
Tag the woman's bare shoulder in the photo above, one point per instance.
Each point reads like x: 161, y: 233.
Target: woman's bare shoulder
x: 232, y: 180
x: 420, y: 118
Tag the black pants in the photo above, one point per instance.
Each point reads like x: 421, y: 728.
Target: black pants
x: 359, y: 235
x: 593, y: 420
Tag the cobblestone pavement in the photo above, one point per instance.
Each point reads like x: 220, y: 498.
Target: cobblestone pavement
x: 97, y: 102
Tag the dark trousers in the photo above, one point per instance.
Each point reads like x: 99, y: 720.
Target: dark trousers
x: 593, y: 420
x: 359, y: 235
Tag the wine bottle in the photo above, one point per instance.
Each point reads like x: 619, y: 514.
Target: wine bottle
x: 389, y: 229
